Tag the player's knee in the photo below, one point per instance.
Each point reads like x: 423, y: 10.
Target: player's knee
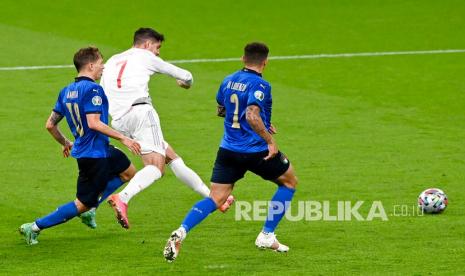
x: 295, y: 181
x: 169, y: 160
x: 219, y: 196
x: 125, y: 177
x: 128, y: 174
x: 291, y: 182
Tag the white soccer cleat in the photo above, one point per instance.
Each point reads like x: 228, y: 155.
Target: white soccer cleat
x: 173, y: 245
x: 269, y: 240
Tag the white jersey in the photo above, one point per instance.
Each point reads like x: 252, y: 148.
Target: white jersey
x: 126, y: 78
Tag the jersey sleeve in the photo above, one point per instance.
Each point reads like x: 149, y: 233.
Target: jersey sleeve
x: 158, y: 65
x: 92, y: 101
x: 59, y: 106
x: 220, y: 95
x: 258, y: 94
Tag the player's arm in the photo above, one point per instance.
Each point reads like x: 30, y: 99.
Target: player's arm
x: 94, y: 123
x: 52, y: 127
x: 183, y: 77
x: 273, y: 129
x: 220, y: 109
x: 256, y: 123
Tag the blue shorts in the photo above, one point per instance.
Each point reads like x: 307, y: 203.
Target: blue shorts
x: 94, y: 174
x: 231, y: 166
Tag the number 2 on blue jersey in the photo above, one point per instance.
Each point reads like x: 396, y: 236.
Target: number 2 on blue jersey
x: 235, y: 100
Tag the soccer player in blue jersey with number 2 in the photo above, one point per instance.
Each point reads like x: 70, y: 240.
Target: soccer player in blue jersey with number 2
x: 102, y: 167
x: 245, y: 101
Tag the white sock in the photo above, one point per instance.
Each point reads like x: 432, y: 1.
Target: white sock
x: 183, y: 232
x: 141, y: 180
x: 35, y: 228
x: 189, y: 177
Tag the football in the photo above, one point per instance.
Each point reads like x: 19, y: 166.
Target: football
x: 432, y: 201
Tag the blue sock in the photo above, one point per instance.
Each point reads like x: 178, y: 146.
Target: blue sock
x: 198, y: 213
x: 279, y: 204
x: 112, y: 186
x: 61, y: 215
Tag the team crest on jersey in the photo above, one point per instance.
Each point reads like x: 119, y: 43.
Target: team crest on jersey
x: 259, y: 95
x: 97, y: 100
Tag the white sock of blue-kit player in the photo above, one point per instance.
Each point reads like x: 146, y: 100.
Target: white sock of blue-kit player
x: 189, y: 177
x: 141, y: 180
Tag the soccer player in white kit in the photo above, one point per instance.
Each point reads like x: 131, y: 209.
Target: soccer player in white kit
x: 125, y: 81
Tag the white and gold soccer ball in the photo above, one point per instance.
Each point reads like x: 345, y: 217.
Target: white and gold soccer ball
x: 432, y: 201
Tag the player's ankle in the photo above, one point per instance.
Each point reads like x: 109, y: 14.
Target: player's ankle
x: 35, y: 228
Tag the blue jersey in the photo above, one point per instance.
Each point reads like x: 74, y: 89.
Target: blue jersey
x: 82, y: 97
x: 239, y: 90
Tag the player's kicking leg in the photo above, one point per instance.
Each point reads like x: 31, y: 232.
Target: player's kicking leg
x: 218, y: 196
x: 62, y: 214
x: 279, y: 204
x: 143, y: 124
x: 187, y: 176
x: 154, y: 165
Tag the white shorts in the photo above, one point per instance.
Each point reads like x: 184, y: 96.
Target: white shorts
x: 142, y: 124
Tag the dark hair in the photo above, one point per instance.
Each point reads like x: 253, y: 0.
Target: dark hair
x: 255, y: 53
x: 142, y: 34
x: 85, y: 56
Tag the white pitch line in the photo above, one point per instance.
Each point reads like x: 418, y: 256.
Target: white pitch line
x: 314, y: 56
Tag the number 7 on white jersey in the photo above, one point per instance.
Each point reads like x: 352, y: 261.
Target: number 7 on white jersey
x: 121, y: 70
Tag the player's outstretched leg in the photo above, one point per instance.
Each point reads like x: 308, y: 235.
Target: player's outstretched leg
x: 31, y: 231
x: 279, y: 204
x: 191, y: 179
x: 187, y: 176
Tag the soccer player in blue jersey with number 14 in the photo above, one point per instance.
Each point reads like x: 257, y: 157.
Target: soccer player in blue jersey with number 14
x: 102, y: 167
x: 245, y: 101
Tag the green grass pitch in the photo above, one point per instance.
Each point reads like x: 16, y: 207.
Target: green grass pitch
x: 374, y: 128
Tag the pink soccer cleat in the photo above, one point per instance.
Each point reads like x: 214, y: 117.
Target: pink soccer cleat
x: 121, y: 210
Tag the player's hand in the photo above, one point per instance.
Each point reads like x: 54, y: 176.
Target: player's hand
x: 132, y: 145
x: 183, y: 84
x: 67, y: 148
x: 272, y: 129
x: 221, y: 111
x: 272, y: 150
